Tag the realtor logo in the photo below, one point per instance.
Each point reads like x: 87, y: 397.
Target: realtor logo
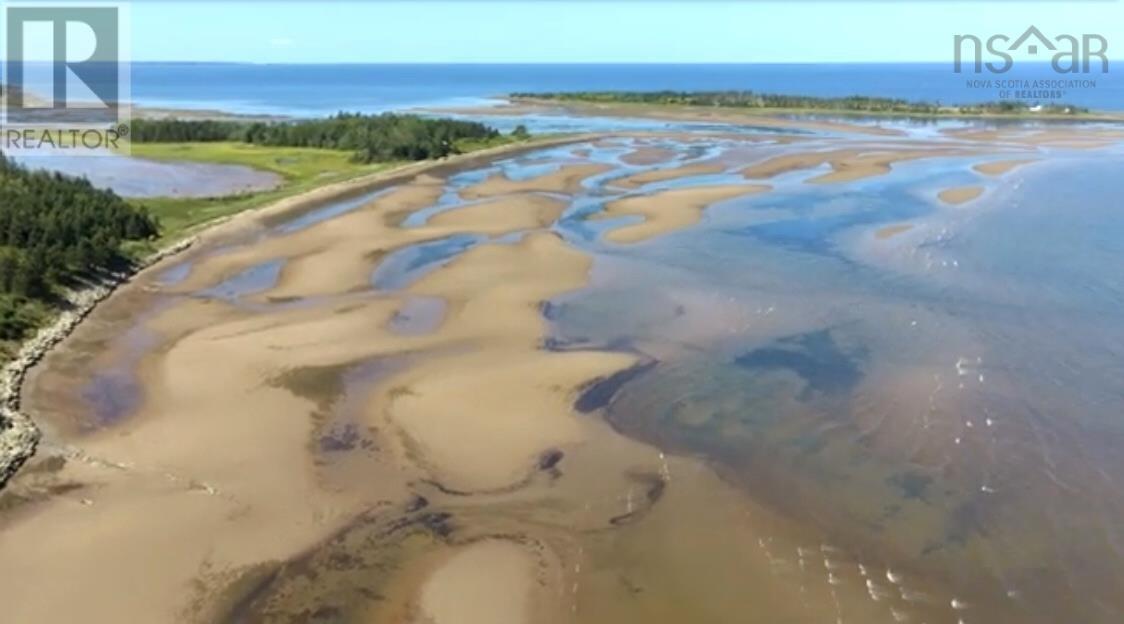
x: 1067, y: 54
x: 63, y: 63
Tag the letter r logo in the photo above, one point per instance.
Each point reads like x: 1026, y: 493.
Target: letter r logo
x: 62, y: 63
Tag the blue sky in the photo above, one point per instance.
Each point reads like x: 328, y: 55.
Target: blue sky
x: 537, y: 31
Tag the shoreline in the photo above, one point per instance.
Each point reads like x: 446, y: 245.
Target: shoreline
x: 20, y: 435
x: 781, y: 114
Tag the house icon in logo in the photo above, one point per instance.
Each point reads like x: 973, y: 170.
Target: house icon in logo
x: 1066, y: 54
x: 1033, y: 47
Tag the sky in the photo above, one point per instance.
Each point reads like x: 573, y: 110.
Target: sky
x: 584, y: 31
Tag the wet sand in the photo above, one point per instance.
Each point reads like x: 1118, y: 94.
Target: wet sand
x: 891, y: 231
x: 960, y: 195
x: 648, y: 156
x: 1000, y: 167
x: 565, y: 180
x: 458, y: 593
x: 293, y: 455
x: 667, y: 211
x: 846, y: 165
x: 763, y: 118
x: 643, y: 178
x: 1063, y: 137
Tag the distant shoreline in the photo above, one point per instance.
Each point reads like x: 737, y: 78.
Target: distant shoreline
x: 578, y: 105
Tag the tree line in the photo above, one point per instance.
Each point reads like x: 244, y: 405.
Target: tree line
x: 55, y: 229
x: 371, y: 138
x: 751, y: 99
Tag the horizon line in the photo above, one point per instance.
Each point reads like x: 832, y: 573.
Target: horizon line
x: 533, y: 63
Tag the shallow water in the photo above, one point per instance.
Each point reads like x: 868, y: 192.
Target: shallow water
x: 919, y: 428
x: 915, y: 399
x: 139, y: 177
x: 909, y: 401
x: 255, y: 279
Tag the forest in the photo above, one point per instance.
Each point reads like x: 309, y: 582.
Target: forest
x: 371, y: 138
x: 55, y: 231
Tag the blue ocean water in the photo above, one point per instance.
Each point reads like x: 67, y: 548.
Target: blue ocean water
x: 313, y: 89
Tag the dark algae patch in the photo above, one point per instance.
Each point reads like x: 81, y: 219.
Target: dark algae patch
x: 601, y: 391
x: 342, y: 579
x: 814, y: 357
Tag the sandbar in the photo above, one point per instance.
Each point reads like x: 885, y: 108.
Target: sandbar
x: 566, y: 179
x: 960, y: 194
x: 637, y: 180
x: 648, y: 156
x: 892, y: 230
x: 669, y: 210
x: 1000, y: 167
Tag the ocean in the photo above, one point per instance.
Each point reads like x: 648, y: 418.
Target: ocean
x: 314, y: 90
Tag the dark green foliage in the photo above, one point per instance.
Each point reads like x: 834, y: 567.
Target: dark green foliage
x: 179, y: 131
x: 17, y: 315
x: 372, y: 138
x: 54, y: 229
x: 520, y: 132
x: 750, y: 99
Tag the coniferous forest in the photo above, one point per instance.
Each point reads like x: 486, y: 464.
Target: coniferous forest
x: 54, y: 231
x: 371, y: 138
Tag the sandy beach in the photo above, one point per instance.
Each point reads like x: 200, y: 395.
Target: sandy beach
x: 317, y: 444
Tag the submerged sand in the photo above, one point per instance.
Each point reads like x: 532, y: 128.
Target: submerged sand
x: 565, y: 180
x: 1000, y: 167
x: 846, y: 165
x: 891, y: 231
x: 960, y: 194
x: 294, y: 456
x: 666, y: 211
x: 643, y: 178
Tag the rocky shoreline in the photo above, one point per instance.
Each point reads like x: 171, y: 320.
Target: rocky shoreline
x: 19, y: 436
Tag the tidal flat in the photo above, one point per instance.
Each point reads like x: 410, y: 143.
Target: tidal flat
x: 657, y: 377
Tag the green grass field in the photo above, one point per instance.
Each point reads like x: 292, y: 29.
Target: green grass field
x: 294, y: 163
x: 302, y: 169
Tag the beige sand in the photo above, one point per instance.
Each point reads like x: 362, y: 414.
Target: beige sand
x: 637, y: 180
x: 215, y: 467
x: 1065, y: 137
x: 215, y: 474
x: 491, y: 293
x: 1000, y: 167
x: 670, y: 210
x: 489, y: 582
x: 847, y: 165
x: 891, y: 231
x: 565, y: 180
x: 960, y: 194
x: 762, y: 118
x: 648, y: 156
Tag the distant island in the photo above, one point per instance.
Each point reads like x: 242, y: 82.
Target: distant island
x: 750, y: 100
